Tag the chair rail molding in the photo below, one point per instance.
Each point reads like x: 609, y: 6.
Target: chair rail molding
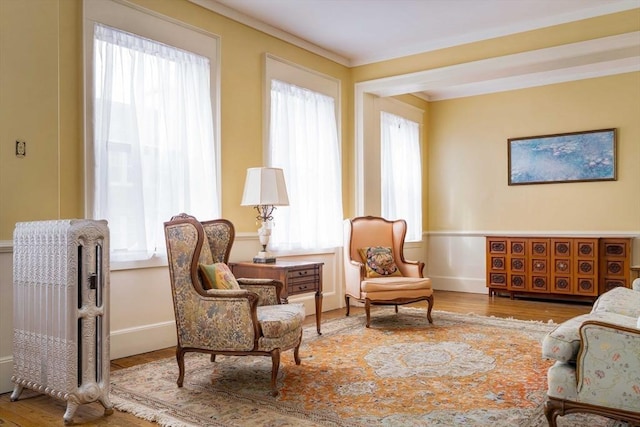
x: 6, y: 246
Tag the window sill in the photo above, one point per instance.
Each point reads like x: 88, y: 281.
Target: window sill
x: 154, y: 261
x: 303, y: 252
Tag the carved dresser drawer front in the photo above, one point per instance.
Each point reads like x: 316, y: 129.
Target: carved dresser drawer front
x: 557, y: 266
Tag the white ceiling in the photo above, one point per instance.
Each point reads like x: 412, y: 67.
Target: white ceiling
x: 365, y: 31
x: 357, y: 32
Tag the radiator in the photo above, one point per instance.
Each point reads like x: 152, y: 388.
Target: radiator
x: 61, y: 311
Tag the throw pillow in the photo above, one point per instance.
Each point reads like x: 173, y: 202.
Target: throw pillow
x: 217, y: 276
x: 379, y: 262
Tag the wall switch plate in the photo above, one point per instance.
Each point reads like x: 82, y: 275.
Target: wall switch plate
x: 21, y: 148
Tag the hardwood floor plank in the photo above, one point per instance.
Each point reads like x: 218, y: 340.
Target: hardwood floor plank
x: 38, y: 410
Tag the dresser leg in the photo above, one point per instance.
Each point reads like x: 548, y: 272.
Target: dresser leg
x: 318, y: 311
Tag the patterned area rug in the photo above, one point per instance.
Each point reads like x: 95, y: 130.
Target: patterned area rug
x: 462, y: 370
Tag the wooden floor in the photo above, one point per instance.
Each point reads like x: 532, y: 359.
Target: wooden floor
x: 39, y: 410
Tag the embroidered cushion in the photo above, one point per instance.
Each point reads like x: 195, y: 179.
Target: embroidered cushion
x: 217, y: 276
x: 379, y: 262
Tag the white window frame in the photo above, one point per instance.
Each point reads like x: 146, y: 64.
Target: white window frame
x: 158, y: 27
x: 409, y: 112
x: 289, y: 72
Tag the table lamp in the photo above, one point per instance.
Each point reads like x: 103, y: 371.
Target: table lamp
x: 264, y: 189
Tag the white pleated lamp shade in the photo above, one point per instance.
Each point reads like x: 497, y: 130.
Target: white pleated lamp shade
x: 265, y: 186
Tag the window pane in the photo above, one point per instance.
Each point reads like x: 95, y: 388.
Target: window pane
x: 153, y: 139
x: 303, y: 141
x: 401, y: 174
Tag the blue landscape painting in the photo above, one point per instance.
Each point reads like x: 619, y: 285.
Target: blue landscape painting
x: 571, y: 157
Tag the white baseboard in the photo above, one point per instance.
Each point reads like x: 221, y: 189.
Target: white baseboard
x: 127, y: 342
x: 459, y: 284
x: 6, y: 369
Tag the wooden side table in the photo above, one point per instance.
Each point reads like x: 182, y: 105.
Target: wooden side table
x: 296, y: 277
x: 636, y: 270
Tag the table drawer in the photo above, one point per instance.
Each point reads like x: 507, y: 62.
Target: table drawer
x: 306, y: 274
x: 303, y: 280
x: 302, y: 287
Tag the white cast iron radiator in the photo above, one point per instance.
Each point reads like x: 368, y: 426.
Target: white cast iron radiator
x: 61, y: 311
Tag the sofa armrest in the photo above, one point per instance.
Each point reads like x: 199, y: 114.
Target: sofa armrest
x: 619, y: 300
x: 635, y: 285
x: 608, y: 365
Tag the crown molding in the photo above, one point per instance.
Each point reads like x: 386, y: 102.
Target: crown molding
x: 605, y: 8
x: 227, y: 12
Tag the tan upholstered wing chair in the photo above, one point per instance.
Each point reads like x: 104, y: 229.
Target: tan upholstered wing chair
x: 375, y: 270
x: 246, y: 319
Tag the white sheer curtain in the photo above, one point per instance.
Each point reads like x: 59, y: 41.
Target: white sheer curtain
x: 401, y: 172
x: 153, y: 142
x: 303, y: 141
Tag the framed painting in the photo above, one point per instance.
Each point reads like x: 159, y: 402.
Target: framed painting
x: 565, y: 157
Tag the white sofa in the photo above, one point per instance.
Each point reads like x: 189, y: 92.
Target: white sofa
x: 597, y: 368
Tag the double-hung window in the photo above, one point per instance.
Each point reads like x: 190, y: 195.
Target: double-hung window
x: 153, y: 148
x: 303, y: 141
x: 401, y: 189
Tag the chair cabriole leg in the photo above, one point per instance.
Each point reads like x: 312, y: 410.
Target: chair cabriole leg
x: 296, y: 351
x: 551, y: 412
x: 430, y: 303
x: 275, y: 365
x: 367, y: 309
x: 180, y: 357
x: 346, y: 300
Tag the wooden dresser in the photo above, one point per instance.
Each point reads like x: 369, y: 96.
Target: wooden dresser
x: 582, y: 267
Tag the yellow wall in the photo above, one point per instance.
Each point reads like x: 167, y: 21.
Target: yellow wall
x: 468, y: 183
x: 29, y: 102
x: 41, y: 102
x: 465, y: 185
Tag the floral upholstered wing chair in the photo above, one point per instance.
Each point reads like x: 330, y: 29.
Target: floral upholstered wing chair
x: 245, y: 319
